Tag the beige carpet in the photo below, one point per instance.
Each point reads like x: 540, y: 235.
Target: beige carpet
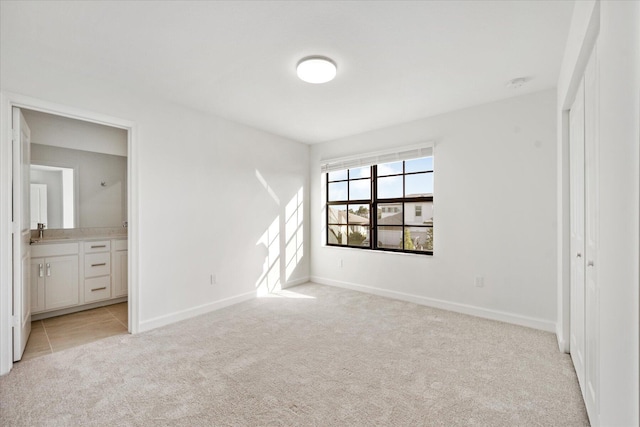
x: 334, y: 358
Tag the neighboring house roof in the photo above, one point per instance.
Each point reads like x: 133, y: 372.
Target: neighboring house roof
x: 339, y: 217
x: 395, y: 219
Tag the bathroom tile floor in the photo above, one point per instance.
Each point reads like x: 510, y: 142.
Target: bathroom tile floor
x: 71, y: 330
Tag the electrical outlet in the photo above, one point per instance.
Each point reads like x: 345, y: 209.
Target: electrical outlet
x: 213, y: 279
x: 479, y: 282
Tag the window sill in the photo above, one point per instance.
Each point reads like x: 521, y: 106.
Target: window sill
x: 374, y: 251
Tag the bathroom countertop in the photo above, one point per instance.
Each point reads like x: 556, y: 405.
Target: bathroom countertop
x: 78, y: 234
x: 60, y: 239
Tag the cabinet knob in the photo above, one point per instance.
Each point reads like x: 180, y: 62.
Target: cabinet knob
x: 48, y: 270
x: 40, y: 270
x: 590, y: 264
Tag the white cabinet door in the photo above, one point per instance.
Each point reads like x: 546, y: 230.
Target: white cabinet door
x: 37, y: 285
x: 120, y: 274
x: 61, y: 281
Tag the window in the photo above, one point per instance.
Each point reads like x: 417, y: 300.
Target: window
x: 400, y: 193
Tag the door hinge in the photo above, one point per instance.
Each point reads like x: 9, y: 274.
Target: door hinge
x: 15, y: 321
x: 14, y: 134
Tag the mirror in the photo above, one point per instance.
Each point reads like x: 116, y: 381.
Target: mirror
x: 52, y: 197
x: 78, y: 173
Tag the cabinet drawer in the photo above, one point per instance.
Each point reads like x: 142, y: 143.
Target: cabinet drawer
x: 97, y: 246
x: 97, y: 264
x: 97, y: 288
x: 54, y: 249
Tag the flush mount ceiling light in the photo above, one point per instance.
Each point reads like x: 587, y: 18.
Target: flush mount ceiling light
x: 316, y: 69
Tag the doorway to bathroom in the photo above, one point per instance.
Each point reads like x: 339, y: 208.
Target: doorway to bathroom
x: 76, y: 282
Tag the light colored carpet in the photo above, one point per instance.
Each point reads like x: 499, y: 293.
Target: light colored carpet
x: 334, y: 358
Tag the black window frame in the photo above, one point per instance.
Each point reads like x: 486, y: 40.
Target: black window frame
x: 375, y: 205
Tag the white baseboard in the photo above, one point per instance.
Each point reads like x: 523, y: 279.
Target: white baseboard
x: 486, y: 313
x: 296, y: 282
x: 48, y: 314
x: 167, y: 319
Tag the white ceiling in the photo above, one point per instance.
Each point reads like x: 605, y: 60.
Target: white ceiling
x: 397, y: 61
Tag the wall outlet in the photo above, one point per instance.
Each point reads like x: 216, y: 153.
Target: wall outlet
x: 213, y: 279
x: 479, y: 282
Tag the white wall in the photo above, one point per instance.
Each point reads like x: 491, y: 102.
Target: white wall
x: 202, y: 208
x: 64, y: 132
x: 494, y: 215
x: 614, y: 26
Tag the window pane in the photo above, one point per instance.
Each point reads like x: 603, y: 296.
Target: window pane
x: 389, y: 168
x: 360, y: 189
x: 390, y: 214
x: 419, y: 185
x: 419, y: 213
x: 390, y: 237
x: 358, y: 235
x: 363, y: 172
x: 337, y: 235
x: 419, y: 165
x: 358, y: 214
x: 337, y: 214
x: 337, y: 191
x: 390, y: 187
x: 418, y: 239
x: 338, y: 175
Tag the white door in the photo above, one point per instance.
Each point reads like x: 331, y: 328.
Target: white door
x: 592, y: 313
x: 576, y: 189
x: 38, y: 205
x: 21, y: 234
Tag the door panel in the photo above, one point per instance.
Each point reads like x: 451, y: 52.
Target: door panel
x: 577, y: 215
x: 592, y: 313
x: 21, y: 234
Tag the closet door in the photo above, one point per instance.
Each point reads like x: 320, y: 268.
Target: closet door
x: 577, y: 217
x: 592, y: 312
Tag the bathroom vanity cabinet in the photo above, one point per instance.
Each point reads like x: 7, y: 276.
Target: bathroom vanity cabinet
x: 54, y: 277
x: 76, y: 274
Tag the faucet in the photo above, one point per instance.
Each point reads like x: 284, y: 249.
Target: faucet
x: 41, y: 227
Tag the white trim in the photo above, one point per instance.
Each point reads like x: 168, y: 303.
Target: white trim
x: 63, y: 311
x: 6, y: 165
x: 188, y: 313
x: 7, y: 101
x: 502, y: 316
x: 296, y: 282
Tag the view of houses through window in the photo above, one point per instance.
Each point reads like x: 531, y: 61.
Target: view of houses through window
x: 401, y: 195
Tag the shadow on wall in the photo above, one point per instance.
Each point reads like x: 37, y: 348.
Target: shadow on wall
x: 285, y: 232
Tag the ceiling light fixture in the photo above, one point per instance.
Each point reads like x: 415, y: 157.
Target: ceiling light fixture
x: 316, y: 69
